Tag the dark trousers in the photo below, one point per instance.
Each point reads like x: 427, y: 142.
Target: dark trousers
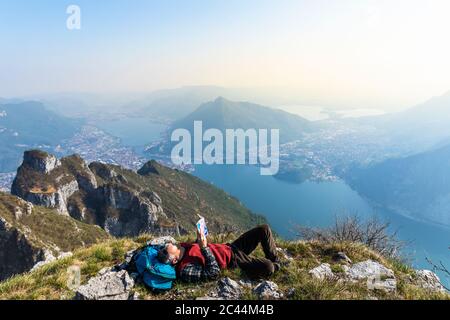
x: 255, y: 268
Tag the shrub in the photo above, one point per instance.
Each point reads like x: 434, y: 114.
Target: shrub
x: 373, y: 233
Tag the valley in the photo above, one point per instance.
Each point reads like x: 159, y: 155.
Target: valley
x: 324, y: 168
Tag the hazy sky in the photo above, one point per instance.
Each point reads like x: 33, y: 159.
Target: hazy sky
x: 386, y: 54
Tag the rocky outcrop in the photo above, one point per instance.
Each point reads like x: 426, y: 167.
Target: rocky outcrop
x: 40, y: 161
x: 69, y: 185
x: 370, y: 269
x: 107, y: 285
x: 156, y: 199
x: 376, y: 276
x: 162, y: 240
x: 428, y: 280
x: 57, y: 200
x: 49, y: 258
x: 44, y: 180
x: 150, y: 167
x: 322, y: 272
x: 32, y: 236
x: 17, y: 253
x: 267, y: 290
x: 229, y: 289
x: 341, y: 257
x: 137, y: 213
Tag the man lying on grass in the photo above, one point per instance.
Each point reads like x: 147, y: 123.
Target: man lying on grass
x: 201, y: 261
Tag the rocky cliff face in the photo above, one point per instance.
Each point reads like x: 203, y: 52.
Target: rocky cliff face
x: 44, y: 180
x: 40, y: 161
x: 17, y: 254
x: 31, y: 234
x: 155, y: 199
x: 70, y: 186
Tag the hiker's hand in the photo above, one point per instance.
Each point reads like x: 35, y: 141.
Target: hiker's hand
x: 201, y: 239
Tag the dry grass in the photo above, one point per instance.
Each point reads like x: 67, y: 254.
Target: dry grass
x: 50, y: 282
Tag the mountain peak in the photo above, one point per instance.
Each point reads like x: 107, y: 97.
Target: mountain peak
x: 221, y: 100
x: 150, y: 167
x: 40, y: 161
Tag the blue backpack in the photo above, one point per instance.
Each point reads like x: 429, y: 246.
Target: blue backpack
x: 156, y: 275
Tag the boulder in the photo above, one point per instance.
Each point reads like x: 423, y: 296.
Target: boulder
x: 341, y: 257
x: 378, y: 277
x: 229, y: 289
x: 285, y: 254
x: 322, y: 272
x: 162, y: 240
x: 267, y: 290
x: 428, y: 280
x: 108, y: 285
x: 246, y: 283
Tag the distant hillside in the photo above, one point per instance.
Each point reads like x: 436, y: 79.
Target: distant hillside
x: 174, y: 104
x: 416, y: 129
x: 30, y: 234
x: 28, y: 125
x: 418, y: 185
x: 156, y: 199
x: 224, y: 114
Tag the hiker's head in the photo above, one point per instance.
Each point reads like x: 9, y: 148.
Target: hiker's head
x: 169, y: 254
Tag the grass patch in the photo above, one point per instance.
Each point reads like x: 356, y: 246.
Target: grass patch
x: 51, y: 281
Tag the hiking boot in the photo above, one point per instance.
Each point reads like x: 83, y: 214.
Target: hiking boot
x: 276, y: 266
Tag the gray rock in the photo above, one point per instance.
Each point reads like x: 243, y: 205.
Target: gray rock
x: 322, y: 272
x: 206, y: 298
x: 229, y: 289
x: 143, y: 214
x: 428, y: 280
x: 162, y: 240
x: 268, y: 290
x: 246, y: 283
x: 18, y: 213
x: 64, y: 255
x: 57, y: 200
x: 342, y: 257
x: 107, y: 285
x: 290, y: 293
x: 48, y: 258
x: 285, y: 254
x: 378, y: 277
x: 86, y: 179
x: 29, y: 208
x: 43, y: 162
x: 18, y: 254
x: 134, y: 296
x: 124, y: 265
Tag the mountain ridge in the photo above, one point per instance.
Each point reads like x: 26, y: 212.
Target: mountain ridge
x: 418, y: 185
x: 155, y: 199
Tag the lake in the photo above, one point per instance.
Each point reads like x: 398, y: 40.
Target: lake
x: 286, y: 205
x: 133, y: 132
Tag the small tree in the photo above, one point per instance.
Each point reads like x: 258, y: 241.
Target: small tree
x: 441, y: 268
x: 373, y: 232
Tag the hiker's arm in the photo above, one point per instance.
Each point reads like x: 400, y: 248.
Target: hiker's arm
x: 212, y: 269
x: 197, y: 273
